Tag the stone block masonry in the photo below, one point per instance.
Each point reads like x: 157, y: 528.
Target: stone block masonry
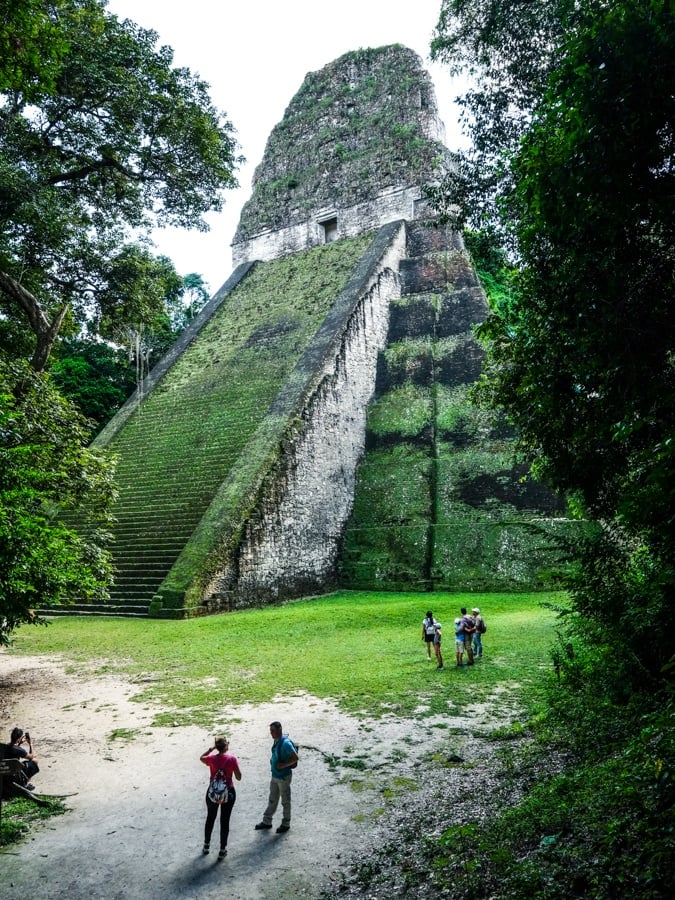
x: 293, y: 549
x: 274, y: 527
x: 439, y: 501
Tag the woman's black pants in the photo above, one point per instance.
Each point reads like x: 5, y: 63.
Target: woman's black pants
x: 225, y: 813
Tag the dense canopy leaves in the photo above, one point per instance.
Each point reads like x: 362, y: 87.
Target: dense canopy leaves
x: 574, y: 160
x: 114, y: 138
x: 44, y: 469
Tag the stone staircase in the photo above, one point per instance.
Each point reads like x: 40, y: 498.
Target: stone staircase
x: 178, y: 446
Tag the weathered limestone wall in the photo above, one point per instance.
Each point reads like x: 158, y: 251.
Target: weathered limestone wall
x: 293, y: 550
x: 289, y: 545
x: 391, y: 206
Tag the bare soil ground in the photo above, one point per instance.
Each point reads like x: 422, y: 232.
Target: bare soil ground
x: 134, y: 828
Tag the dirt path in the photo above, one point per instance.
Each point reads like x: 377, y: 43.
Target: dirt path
x: 135, y: 823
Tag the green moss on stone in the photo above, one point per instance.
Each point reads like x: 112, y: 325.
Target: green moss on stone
x: 407, y: 411
x: 190, y: 432
x: 344, y: 144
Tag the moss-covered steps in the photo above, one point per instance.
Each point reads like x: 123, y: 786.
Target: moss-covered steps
x: 176, y: 445
x: 439, y: 502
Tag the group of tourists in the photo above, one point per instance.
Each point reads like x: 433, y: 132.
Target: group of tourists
x: 469, y: 631
x: 221, y: 794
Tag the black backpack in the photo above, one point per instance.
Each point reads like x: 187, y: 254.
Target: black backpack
x: 295, y: 750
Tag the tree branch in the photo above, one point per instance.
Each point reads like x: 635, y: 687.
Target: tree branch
x: 27, y: 301
x: 107, y: 162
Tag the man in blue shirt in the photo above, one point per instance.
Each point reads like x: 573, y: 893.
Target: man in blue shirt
x: 283, y: 761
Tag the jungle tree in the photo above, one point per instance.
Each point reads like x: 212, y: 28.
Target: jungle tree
x: 114, y: 141
x: 101, y: 139
x: 573, y: 159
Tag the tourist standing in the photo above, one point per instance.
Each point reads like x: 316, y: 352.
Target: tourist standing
x: 429, y: 631
x: 437, y: 645
x: 283, y: 760
x: 469, y: 629
x: 220, y: 794
x: 477, y: 644
x: 459, y: 642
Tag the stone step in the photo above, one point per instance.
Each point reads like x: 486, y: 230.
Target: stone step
x: 138, y: 610
x: 125, y: 570
x: 139, y: 586
x: 422, y: 238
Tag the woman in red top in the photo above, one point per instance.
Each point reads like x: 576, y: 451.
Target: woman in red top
x: 220, y: 763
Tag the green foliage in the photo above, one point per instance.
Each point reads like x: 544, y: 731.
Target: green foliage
x: 95, y: 150
x: 497, y: 275
x: 508, y: 48
x: 31, y: 46
x: 94, y: 376
x: 44, y: 467
x: 18, y: 815
x: 611, y: 803
x: 572, y: 125
x: 99, y: 376
x: 581, y: 356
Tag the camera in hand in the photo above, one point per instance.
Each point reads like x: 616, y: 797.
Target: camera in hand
x: 27, y: 736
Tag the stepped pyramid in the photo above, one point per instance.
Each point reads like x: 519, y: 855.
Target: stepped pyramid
x: 440, y: 501
x: 242, y: 475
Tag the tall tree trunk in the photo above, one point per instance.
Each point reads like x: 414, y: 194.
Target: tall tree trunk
x: 44, y: 329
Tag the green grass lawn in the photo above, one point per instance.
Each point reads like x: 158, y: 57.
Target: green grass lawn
x: 361, y: 649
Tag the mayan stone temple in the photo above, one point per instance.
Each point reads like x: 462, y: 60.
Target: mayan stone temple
x: 311, y: 429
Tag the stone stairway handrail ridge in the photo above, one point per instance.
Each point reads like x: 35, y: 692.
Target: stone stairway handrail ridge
x: 224, y: 520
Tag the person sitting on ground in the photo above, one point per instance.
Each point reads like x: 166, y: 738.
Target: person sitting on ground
x: 15, y: 750
x: 469, y: 628
x: 459, y: 641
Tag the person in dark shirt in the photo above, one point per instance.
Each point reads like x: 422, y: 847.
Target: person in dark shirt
x: 469, y: 629
x: 16, y: 750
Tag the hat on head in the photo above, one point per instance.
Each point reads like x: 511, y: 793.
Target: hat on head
x: 475, y: 609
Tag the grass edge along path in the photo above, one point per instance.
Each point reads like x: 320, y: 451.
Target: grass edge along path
x: 362, y: 650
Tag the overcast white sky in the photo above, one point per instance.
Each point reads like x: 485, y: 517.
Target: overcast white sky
x: 255, y: 55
